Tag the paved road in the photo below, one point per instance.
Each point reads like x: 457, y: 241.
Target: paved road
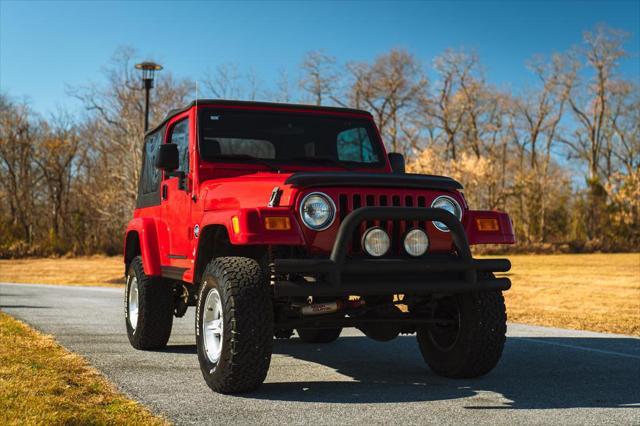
x: 546, y: 375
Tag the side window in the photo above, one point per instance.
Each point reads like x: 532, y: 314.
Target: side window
x: 355, y: 145
x: 149, y: 183
x: 180, y: 136
x: 150, y: 174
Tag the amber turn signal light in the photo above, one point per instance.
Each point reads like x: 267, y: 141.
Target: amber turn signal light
x: 235, y: 223
x: 277, y: 223
x: 487, y: 225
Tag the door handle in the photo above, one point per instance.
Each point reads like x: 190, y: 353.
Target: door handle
x: 165, y: 190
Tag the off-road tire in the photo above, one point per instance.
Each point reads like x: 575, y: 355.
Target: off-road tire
x: 320, y: 335
x: 247, y: 337
x: 480, y: 340
x: 155, y: 308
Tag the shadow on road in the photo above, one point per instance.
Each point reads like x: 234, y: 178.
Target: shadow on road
x: 535, y: 373
x: 179, y: 349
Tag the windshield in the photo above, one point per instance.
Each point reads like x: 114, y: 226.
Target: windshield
x: 281, y: 138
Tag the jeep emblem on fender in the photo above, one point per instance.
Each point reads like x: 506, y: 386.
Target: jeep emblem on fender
x: 196, y: 231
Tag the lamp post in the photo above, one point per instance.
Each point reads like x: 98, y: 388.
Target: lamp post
x: 148, y: 70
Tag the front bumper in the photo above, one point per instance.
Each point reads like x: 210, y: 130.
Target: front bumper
x: 340, y: 275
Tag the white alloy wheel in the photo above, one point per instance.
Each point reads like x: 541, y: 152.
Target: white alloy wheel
x: 213, y: 325
x: 132, y: 302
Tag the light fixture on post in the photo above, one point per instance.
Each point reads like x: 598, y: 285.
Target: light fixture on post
x: 148, y: 71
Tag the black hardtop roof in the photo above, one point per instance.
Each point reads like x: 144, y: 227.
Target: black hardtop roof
x: 223, y: 102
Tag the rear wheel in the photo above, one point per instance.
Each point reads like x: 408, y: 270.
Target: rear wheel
x: 234, y: 325
x: 320, y: 335
x: 469, y: 344
x: 148, y: 308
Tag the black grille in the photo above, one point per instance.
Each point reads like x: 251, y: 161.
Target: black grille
x: 395, y: 228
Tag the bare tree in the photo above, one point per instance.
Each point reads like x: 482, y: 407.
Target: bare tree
x: 114, y: 131
x: 591, y: 105
x: 56, y: 152
x: 623, y: 148
x: 225, y: 82
x: 591, y: 101
x: 539, y: 113
x: 318, y: 75
x: 18, y: 174
x: 391, y: 88
x: 283, y: 87
x: 254, y: 85
x: 454, y: 69
x: 228, y: 82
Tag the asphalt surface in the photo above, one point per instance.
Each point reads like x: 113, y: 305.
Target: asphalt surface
x: 546, y: 375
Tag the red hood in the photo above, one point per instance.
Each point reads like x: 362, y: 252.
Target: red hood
x: 254, y: 189
x: 246, y: 191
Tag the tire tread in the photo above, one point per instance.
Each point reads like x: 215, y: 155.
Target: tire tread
x: 485, y: 335
x: 155, y: 315
x: 247, y: 303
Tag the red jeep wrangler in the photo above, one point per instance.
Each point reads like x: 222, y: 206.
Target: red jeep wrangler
x: 274, y: 217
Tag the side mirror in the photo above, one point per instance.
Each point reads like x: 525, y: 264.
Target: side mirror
x: 168, y: 158
x: 397, y: 162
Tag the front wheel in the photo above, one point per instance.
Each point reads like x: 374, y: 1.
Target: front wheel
x: 470, y: 342
x: 234, y: 325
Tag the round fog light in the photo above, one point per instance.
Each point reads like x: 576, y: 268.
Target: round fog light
x: 376, y: 242
x: 416, y: 242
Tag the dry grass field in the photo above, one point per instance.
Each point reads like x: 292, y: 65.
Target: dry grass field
x: 598, y: 292
x: 42, y: 383
x: 94, y: 270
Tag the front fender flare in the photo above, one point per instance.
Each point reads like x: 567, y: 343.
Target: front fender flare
x: 251, y: 226
x: 503, y: 235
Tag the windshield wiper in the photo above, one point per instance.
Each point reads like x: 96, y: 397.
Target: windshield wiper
x: 326, y: 160
x: 252, y: 159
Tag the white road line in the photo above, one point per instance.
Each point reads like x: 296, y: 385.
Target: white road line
x: 581, y: 348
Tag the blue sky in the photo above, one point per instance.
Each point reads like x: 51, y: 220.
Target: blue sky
x: 46, y: 46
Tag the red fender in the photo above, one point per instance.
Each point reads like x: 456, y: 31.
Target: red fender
x: 147, y: 235
x: 503, y: 235
x: 251, y: 226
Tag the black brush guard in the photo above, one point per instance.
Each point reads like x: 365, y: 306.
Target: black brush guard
x: 344, y: 276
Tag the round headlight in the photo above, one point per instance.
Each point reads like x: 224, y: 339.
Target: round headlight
x: 376, y: 242
x: 317, y: 211
x: 416, y: 242
x: 448, y: 204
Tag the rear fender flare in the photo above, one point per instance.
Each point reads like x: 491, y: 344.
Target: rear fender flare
x: 145, y: 229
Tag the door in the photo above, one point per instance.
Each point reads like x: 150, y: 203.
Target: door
x: 176, y: 200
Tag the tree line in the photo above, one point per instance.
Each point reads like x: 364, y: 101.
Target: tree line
x: 561, y: 155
